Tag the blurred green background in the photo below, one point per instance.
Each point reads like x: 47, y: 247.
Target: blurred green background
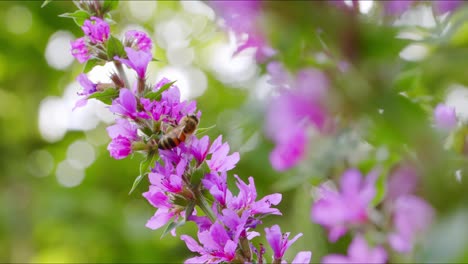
x: 63, y: 199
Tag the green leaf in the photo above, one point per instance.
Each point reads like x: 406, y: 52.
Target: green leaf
x: 380, y: 188
x: 110, y: 5
x: 115, y: 48
x: 105, y: 96
x: 46, y: 2
x: 90, y: 64
x: 171, y: 226
x: 144, y: 168
x: 156, y: 96
x: 79, y: 16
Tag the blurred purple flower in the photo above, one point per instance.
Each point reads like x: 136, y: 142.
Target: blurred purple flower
x: 358, y: 252
x: 79, y: 50
x: 396, y: 7
x: 401, y: 182
x: 337, y: 210
x: 139, y: 39
x: 241, y: 18
x: 96, y: 29
x: 137, y: 60
x: 279, y: 242
x: 120, y: 147
x: 126, y: 105
x: 217, y: 245
x: 411, y: 217
x: 289, y: 114
x: 302, y: 257
x: 445, y: 117
x: 443, y: 6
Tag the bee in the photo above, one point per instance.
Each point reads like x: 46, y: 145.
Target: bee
x: 188, y: 124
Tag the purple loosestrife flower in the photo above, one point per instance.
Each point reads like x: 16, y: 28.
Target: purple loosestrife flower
x: 240, y: 17
x: 220, y: 160
x: 139, y: 40
x: 245, y: 200
x: 358, y: 252
x: 396, y: 7
x: 80, y: 50
x: 88, y: 88
x: 124, y: 128
x: 337, y: 210
x: 443, y: 6
x: 402, y: 181
x: 126, y: 105
x: 302, y: 257
x: 137, y: 60
x: 411, y: 216
x: 120, y: 147
x: 166, y: 183
x: 96, y: 29
x: 217, y: 245
x: 289, y: 114
x: 169, y: 109
x: 279, y: 242
x: 445, y: 117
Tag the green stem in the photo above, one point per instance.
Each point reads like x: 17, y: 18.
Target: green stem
x: 203, y: 204
x: 121, y: 72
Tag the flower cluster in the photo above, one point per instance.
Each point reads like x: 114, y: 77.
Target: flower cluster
x: 190, y: 171
x: 352, y: 208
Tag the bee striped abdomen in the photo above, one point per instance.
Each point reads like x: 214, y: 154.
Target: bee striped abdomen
x: 179, y: 134
x: 168, y: 143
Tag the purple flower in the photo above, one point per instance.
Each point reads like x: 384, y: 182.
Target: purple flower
x: 289, y: 114
x: 240, y: 17
x: 245, y: 200
x: 217, y: 186
x: 217, y: 245
x: 120, y: 147
x: 358, y: 252
x: 302, y: 257
x: 397, y: 7
x: 220, y: 161
x: 123, y: 128
x: 412, y: 216
x: 337, y: 210
x: 96, y: 29
x: 278, y: 241
x: 166, y: 184
x: 199, y: 148
x: 137, y: 60
x: 289, y: 151
x: 139, y: 39
x: 88, y: 88
x: 445, y: 117
x: 401, y: 182
x: 79, y: 50
x: 126, y: 105
x: 443, y: 6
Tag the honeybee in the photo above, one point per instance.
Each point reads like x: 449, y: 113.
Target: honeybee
x: 188, y: 124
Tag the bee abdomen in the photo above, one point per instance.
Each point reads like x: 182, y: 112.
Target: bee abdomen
x: 166, y: 143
